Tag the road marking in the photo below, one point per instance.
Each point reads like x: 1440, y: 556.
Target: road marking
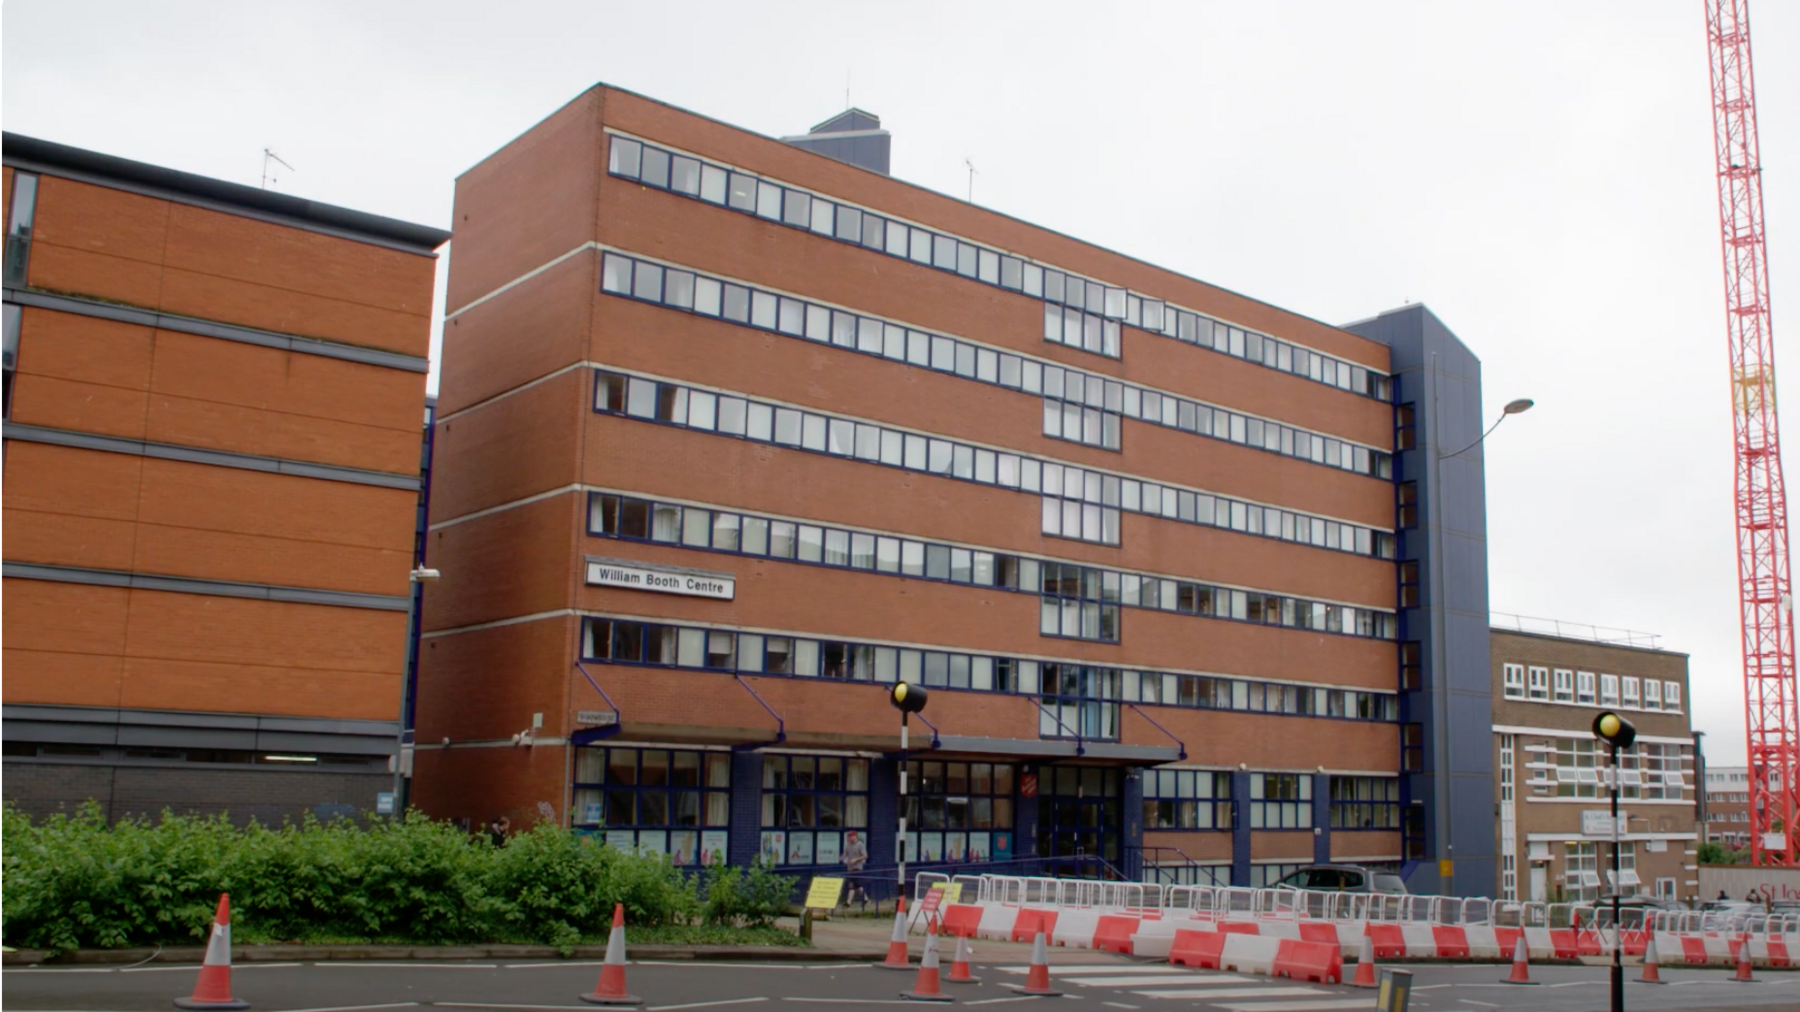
x: 489, y: 1004
x: 705, y: 1004
x: 1297, y: 1006
x: 1160, y: 981
x: 996, y: 1001
x: 568, y: 962
x: 1579, y: 983
x: 1085, y: 968
x: 1237, y: 992
x: 420, y: 965
x: 851, y: 1001
x: 355, y: 1008
x: 58, y: 969
x: 1471, y: 1001
x: 1118, y: 1004
x: 1434, y: 987
x: 195, y: 966
x: 735, y: 966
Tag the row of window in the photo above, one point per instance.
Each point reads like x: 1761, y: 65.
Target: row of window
x: 1648, y: 771
x: 19, y: 218
x: 641, y: 643
x: 744, y: 192
x: 1078, y: 503
x: 1187, y: 799
x: 1080, y: 601
x: 1562, y: 685
x: 1078, y: 407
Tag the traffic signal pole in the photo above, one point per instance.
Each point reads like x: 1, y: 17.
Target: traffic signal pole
x: 1618, y: 733
x: 900, y: 841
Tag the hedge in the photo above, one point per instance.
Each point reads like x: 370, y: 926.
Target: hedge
x: 73, y: 881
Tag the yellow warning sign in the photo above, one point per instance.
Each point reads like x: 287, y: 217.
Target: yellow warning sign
x: 952, y: 892
x: 824, y: 892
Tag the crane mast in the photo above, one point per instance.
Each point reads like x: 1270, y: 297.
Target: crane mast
x: 1762, y: 530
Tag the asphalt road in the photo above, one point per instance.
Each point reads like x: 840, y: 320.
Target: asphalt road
x: 665, y: 987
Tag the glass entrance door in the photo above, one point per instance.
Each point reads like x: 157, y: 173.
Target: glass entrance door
x: 1081, y: 816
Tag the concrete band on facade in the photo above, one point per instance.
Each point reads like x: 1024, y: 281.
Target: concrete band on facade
x: 212, y: 328
x: 216, y: 458
x: 215, y: 588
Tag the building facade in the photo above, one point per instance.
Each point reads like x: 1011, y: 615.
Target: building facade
x: 1728, y: 805
x: 732, y: 435
x: 1554, y: 825
x: 212, y: 467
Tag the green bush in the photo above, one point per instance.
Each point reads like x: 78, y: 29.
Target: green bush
x: 72, y: 881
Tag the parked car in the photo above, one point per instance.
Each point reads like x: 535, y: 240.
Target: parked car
x: 1344, y: 878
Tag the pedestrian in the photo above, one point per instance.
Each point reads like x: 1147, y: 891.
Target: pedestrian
x: 856, y: 855
x: 498, y: 827
x: 1723, y: 896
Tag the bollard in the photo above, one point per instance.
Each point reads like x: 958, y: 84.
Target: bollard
x: 1396, y: 990
x: 806, y: 919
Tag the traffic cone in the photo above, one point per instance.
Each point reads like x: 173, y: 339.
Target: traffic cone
x: 959, y: 964
x: 611, y: 989
x: 927, y: 988
x: 896, y: 957
x: 213, y: 991
x: 1365, y: 964
x: 1521, y: 971
x: 1651, y: 974
x: 1743, y: 961
x: 1037, y: 980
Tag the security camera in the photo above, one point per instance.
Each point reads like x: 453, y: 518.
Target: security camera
x: 423, y: 575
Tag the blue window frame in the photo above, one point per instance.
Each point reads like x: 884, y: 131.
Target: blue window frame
x: 1187, y: 799
x: 959, y: 811
x: 1365, y: 803
x: 1079, y: 701
x: 815, y: 809
x: 658, y: 801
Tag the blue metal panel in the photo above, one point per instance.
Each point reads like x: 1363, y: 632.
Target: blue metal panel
x: 746, y: 808
x: 1240, y: 828
x: 1321, y: 797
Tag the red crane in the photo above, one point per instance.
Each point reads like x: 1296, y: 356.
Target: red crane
x: 1762, y: 529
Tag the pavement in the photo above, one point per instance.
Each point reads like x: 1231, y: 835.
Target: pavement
x: 1090, y: 981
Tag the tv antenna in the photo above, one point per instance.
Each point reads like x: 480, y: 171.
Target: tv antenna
x: 972, y: 174
x: 270, y: 156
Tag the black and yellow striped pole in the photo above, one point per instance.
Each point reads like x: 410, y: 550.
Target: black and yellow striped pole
x: 908, y: 699
x: 1618, y: 733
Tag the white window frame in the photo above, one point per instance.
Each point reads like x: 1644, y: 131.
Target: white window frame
x: 1564, y: 685
x: 1652, y: 694
x: 1538, y: 683
x: 1609, y: 690
x: 1629, y: 697
x: 1672, y: 697
x: 1512, y: 681
x: 1584, y: 688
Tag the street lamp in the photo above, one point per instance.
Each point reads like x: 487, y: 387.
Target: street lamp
x: 908, y: 699
x: 1618, y: 733
x: 1440, y: 650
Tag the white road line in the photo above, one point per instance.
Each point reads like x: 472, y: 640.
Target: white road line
x: 1118, y: 1004
x: 1236, y: 992
x: 1579, y: 983
x: 1298, y: 1005
x: 1434, y: 987
x: 1085, y: 968
x: 356, y: 1008
x: 1471, y: 1001
x: 420, y: 965
x: 996, y: 1001
x: 1171, y: 980
x: 851, y: 1001
x: 525, y: 1008
x: 58, y: 969
x: 734, y: 966
x: 571, y: 962
x: 705, y: 1004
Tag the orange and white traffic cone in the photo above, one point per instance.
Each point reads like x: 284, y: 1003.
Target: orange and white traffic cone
x: 1652, y: 973
x: 927, y: 987
x: 959, y: 964
x: 1743, y: 962
x: 1365, y: 964
x: 897, y: 958
x: 1037, y: 979
x: 611, y: 989
x: 1521, y: 971
x: 213, y: 991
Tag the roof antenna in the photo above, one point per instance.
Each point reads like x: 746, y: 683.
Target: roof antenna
x: 269, y: 156
x: 846, y: 87
x: 972, y: 174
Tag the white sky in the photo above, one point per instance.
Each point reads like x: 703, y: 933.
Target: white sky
x: 1539, y: 173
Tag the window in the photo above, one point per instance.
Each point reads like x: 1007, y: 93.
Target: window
x: 1652, y: 694
x: 18, y: 227
x: 1365, y: 803
x: 1609, y: 690
x: 1407, y: 496
x: 1564, y: 685
x: 1630, y: 695
x: 1581, y: 876
x: 1584, y: 688
x: 1089, y: 312
x: 1412, y: 748
x: 1265, y: 876
x: 1186, y: 799
x: 1405, y: 430
x: 1672, y: 696
x: 1079, y: 602
x: 1409, y: 583
x: 1412, y: 667
x: 656, y: 801
x: 1081, y: 408
x: 813, y: 807
x: 1079, y: 702
x: 13, y: 314
x: 1280, y: 801
x: 1538, y: 682
x: 1509, y: 877
x: 1513, y: 681
x: 957, y: 808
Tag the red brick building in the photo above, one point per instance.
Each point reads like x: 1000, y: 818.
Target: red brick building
x: 732, y: 435
x: 214, y: 398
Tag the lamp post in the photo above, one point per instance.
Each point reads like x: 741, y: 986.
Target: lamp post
x: 908, y: 699
x: 419, y: 576
x: 1618, y: 734
x: 1440, y: 651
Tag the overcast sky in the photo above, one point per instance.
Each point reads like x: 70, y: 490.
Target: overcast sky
x: 1539, y: 173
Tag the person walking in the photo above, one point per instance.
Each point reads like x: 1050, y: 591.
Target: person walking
x: 856, y: 855
x: 498, y: 828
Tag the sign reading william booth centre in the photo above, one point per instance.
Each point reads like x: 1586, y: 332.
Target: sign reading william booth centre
x: 663, y: 580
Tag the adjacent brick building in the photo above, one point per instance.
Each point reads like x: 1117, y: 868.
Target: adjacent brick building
x: 1728, y: 805
x: 731, y: 433
x: 214, y: 398
x: 1554, y: 832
